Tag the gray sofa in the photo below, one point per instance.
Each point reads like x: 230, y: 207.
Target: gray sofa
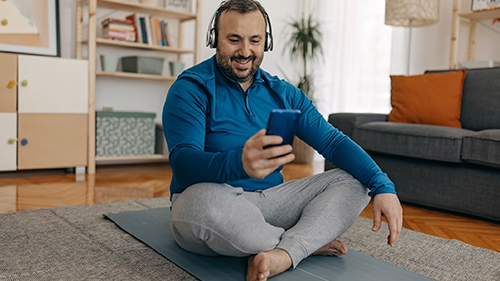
x: 441, y: 167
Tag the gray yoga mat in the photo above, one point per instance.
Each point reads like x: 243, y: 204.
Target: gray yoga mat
x: 152, y: 227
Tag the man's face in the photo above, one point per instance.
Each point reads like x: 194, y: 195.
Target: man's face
x: 240, y: 46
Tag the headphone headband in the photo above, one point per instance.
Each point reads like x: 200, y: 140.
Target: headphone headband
x: 212, y: 32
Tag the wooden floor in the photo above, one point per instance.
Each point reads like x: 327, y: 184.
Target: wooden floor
x: 46, y: 189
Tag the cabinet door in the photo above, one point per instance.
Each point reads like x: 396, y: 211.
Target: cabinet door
x: 52, y: 85
x: 8, y: 147
x: 8, y: 82
x: 52, y: 141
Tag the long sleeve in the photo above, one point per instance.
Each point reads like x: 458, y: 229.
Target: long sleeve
x: 184, y: 124
x: 340, y: 149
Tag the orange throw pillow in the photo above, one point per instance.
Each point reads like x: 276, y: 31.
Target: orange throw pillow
x: 432, y: 98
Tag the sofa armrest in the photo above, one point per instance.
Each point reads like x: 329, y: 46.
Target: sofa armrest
x: 346, y: 122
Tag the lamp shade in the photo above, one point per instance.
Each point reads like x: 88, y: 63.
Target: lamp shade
x: 411, y: 12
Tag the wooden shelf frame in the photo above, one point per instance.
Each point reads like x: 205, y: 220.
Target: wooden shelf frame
x: 92, y: 42
x: 142, y: 9
x: 474, y: 17
x: 104, y: 41
x: 135, y: 75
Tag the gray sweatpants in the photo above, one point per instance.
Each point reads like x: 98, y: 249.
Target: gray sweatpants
x: 297, y: 216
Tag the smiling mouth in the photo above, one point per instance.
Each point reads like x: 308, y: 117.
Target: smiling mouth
x: 242, y: 62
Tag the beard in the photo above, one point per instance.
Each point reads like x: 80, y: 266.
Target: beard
x: 224, y: 64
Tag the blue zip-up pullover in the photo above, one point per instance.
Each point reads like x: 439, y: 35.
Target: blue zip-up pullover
x: 207, y: 118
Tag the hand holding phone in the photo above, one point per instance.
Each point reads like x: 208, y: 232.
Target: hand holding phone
x: 283, y: 123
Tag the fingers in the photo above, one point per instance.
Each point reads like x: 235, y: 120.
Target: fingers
x: 395, y: 226
x: 388, y: 205
x: 377, y: 220
x: 258, y: 161
x: 394, y: 231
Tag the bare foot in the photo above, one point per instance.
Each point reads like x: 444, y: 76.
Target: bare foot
x: 268, y: 264
x: 334, y: 248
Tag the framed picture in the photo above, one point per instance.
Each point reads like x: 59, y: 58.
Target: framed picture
x: 30, y: 27
x: 485, y: 4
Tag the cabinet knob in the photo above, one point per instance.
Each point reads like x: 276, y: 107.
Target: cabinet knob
x: 24, y: 142
x: 11, y: 84
x: 24, y: 83
x: 11, y: 141
x: 5, y: 22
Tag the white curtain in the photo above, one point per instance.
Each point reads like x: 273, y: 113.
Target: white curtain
x: 357, y: 49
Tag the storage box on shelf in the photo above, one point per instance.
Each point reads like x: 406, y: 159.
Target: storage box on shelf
x: 125, y: 134
x: 93, y: 43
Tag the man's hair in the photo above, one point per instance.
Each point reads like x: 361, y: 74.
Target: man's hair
x: 241, y: 6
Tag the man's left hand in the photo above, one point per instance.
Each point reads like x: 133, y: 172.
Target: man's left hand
x: 388, y: 205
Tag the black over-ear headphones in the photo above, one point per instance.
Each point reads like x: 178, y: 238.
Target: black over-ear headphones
x: 212, y: 33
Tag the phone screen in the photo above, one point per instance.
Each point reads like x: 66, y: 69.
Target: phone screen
x: 283, y: 123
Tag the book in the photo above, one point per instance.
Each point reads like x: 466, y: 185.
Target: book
x: 148, y: 31
x: 167, y: 35
x: 163, y: 34
x: 158, y: 31
x: 137, y: 25
x: 117, y: 21
x: 152, y: 28
x: 118, y: 35
x: 143, y: 30
x: 120, y: 27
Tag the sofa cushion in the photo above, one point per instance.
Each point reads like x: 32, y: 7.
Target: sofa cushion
x: 482, y: 148
x: 432, y: 98
x: 481, y: 94
x: 412, y: 140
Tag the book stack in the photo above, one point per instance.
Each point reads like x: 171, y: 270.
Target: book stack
x: 150, y: 30
x: 119, y: 29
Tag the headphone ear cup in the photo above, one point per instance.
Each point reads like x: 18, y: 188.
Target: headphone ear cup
x: 212, y: 38
x: 266, y: 42
x: 269, y: 42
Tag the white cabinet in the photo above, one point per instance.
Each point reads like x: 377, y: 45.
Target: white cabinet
x: 49, y: 127
x: 8, y: 144
x: 52, y: 85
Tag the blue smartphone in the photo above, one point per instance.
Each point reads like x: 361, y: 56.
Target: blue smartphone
x: 283, y: 123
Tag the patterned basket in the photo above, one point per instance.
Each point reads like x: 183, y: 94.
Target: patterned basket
x: 124, y: 133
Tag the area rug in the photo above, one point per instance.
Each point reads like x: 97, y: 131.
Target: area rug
x: 78, y: 243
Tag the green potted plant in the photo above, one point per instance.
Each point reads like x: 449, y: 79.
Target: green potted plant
x: 304, y: 47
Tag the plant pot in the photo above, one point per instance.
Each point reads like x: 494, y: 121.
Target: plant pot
x: 109, y: 63
x: 304, y: 154
x: 176, y: 67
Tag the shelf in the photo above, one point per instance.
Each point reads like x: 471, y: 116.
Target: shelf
x: 86, y: 12
x: 482, y: 14
x: 139, y: 157
x: 135, y: 75
x: 131, y: 159
x: 103, y: 41
x: 143, y: 9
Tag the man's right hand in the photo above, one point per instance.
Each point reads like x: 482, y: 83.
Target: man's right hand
x: 259, y: 162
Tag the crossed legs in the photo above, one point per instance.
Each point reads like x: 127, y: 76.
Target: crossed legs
x: 297, y: 218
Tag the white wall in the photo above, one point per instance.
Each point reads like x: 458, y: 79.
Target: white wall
x: 430, y: 47
x: 147, y: 95
x: 430, y: 50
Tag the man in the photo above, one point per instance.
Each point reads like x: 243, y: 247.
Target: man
x: 228, y: 195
